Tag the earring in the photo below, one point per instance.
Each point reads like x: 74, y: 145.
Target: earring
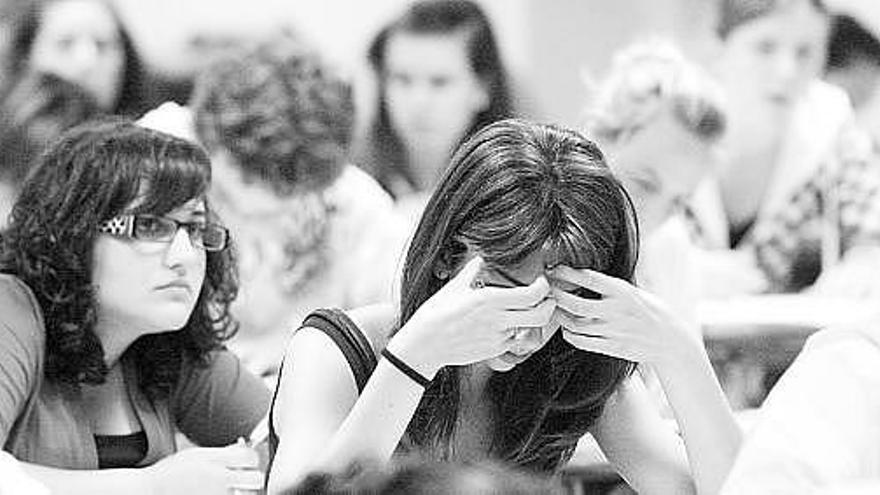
x: 441, y: 273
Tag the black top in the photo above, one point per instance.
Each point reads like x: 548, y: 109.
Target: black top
x: 121, y: 451
x: 354, y: 346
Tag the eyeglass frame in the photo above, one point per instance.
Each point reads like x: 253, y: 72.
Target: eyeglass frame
x: 122, y: 226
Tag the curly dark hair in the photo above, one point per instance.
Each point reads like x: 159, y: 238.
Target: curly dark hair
x: 282, y: 114
x: 511, y: 189
x: 383, y: 153
x: 24, y: 19
x: 93, y: 173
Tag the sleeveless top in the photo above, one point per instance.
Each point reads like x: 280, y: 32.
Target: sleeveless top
x: 354, y: 346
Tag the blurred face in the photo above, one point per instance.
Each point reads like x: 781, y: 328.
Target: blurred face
x: 148, y: 286
x: 79, y: 40
x: 528, y: 339
x: 660, y: 165
x: 432, y: 93
x: 768, y: 62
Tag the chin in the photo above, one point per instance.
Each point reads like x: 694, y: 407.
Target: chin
x: 505, y: 362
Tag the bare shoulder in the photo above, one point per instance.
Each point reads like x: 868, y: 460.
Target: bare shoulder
x: 375, y: 321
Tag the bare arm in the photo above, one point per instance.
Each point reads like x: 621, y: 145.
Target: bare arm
x: 711, y: 435
x: 88, y: 482
x: 641, y: 446
x: 632, y: 324
x: 209, y: 471
x: 323, y: 424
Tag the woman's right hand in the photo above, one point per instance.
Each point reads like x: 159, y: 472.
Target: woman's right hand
x: 464, y: 322
x: 208, y: 470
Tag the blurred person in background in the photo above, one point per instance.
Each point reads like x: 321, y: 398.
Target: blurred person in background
x: 819, y: 429
x: 854, y: 65
x: 439, y: 78
x: 114, y: 307
x: 85, y: 42
x: 659, y: 119
x: 312, y: 229
x: 797, y: 195
x: 32, y: 115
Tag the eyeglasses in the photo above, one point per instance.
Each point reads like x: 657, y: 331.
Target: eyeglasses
x: 152, y: 228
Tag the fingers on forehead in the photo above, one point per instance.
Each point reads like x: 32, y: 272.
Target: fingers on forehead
x: 591, y: 279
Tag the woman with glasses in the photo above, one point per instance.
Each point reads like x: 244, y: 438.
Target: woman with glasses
x: 115, y: 285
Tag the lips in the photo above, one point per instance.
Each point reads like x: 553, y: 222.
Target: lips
x: 177, y: 284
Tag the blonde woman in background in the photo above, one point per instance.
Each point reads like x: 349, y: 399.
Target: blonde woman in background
x: 659, y: 119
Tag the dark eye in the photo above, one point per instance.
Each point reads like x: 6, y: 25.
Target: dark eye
x: 150, y: 227
x: 585, y: 293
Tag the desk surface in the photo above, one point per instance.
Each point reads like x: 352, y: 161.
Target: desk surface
x: 784, y: 315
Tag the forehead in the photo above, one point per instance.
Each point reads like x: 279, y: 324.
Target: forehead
x: 77, y: 16
x: 429, y: 53
x: 193, y: 207
x: 665, y: 148
x: 792, y: 20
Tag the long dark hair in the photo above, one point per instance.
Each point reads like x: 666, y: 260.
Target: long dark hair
x: 25, y: 18
x: 384, y: 155
x: 93, y: 173
x: 511, y: 189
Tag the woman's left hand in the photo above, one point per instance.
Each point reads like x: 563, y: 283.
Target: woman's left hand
x: 627, y: 322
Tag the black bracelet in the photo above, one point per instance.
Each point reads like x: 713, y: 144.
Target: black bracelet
x: 405, y: 369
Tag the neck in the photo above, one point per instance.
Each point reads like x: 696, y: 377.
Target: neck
x: 115, y: 337
x: 427, y: 165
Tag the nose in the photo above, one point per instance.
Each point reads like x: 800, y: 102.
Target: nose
x: 526, y: 340
x: 84, y: 55
x: 181, y: 249
x: 786, y: 68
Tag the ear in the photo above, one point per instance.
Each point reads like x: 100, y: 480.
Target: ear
x: 443, y: 265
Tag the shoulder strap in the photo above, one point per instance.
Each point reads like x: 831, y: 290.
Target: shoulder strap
x: 350, y: 340
x: 354, y: 346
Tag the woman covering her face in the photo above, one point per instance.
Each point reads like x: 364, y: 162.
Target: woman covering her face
x: 515, y: 336
x: 116, y: 284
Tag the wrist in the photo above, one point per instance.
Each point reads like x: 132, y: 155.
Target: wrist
x: 414, y: 353
x: 685, y: 356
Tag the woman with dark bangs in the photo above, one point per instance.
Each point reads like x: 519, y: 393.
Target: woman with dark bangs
x: 517, y: 333
x: 439, y: 78
x: 114, y: 305
x: 84, y: 42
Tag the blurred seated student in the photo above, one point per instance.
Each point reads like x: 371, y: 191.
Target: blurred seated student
x: 85, y: 42
x: 311, y: 229
x: 797, y: 194
x: 115, y: 291
x: 32, y: 115
x: 853, y: 63
x: 659, y: 119
x: 515, y: 336
x: 420, y: 477
x: 439, y: 77
x: 819, y: 429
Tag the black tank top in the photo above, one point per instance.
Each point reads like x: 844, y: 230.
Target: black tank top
x: 354, y: 346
